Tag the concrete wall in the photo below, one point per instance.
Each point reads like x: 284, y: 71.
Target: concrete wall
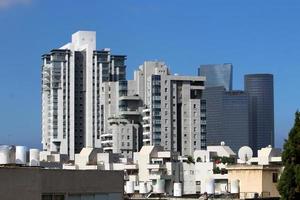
x: 31, y: 183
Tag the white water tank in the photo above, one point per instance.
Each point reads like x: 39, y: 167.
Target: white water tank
x: 177, y: 189
x: 21, y: 155
x: 234, y: 186
x: 210, y: 186
x: 7, y: 154
x: 34, y: 157
x: 159, y: 187
x: 149, y: 186
x: 143, y: 188
x: 129, y: 187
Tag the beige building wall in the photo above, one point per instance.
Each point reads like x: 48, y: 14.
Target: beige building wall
x: 254, y: 179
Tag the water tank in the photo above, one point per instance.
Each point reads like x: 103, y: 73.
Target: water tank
x: 34, y: 157
x: 129, y: 187
x: 234, y: 186
x: 210, y: 186
x: 7, y: 154
x: 159, y: 187
x: 21, y: 155
x: 149, y: 186
x: 143, y: 188
x: 177, y: 189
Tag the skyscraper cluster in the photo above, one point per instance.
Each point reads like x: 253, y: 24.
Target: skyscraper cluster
x: 238, y: 117
x: 88, y: 102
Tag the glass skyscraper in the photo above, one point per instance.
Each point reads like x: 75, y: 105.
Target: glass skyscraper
x: 259, y: 87
x: 217, y: 75
x: 227, y: 117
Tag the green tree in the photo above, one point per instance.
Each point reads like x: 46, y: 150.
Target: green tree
x: 289, y: 182
x: 190, y: 159
x: 199, y: 159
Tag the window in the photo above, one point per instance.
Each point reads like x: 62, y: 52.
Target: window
x: 195, y: 106
x: 128, y: 137
x: 275, y: 177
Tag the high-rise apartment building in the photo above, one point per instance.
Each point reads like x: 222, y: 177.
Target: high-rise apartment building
x: 174, y: 111
x: 121, y: 114
x: 87, y: 102
x: 259, y: 87
x: 71, y: 88
x: 217, y: 75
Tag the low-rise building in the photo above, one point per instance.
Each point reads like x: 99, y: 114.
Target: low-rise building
x: 154, y: 171
x: 255, y: 180
x: 19, y: 183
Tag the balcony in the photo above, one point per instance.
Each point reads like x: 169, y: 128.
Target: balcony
x: 146, y: 110
x: 106, y: 135
x: 146, y: 132
x: 145, y: 118
x: 107, y: 149
x: 130, y: 98
x: 146, y: 140
x: 107, y: 143
x: 129, y: 112
x: 146, y: 125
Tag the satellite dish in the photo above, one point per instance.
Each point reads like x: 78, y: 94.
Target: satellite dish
x: 245, y: 153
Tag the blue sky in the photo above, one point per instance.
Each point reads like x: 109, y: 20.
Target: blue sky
x: 256, y: 36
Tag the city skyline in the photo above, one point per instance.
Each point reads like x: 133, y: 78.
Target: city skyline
x: 21, y: 77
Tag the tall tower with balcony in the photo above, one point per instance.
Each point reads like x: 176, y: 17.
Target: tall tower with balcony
x: 173, y: 114
x: 72, y: 78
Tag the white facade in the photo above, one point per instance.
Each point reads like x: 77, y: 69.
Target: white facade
x: 174, y: 114
x: 71, y: 85
x: 153, y: 170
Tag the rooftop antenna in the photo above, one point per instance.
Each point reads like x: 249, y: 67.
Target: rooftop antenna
x: 245, y: 153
